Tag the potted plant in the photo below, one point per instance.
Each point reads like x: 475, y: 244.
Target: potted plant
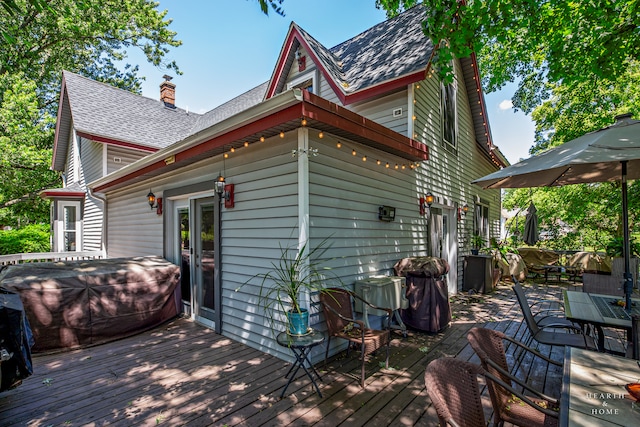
x: 477, y: 241
x: 296, y: 272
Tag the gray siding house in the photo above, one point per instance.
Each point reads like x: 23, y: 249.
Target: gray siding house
x: 311, y: 154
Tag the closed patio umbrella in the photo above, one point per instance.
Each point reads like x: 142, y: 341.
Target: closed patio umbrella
x: 609, y: 154
x: 531, y: 226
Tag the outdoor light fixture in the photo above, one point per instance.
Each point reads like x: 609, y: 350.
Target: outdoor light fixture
x: 462, y: 212
x: 426, y: 202
x: 225, y: 191
x: 428, y: 199
x: 155, y: 203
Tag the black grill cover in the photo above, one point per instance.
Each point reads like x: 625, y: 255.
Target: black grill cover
x: 16, y: 339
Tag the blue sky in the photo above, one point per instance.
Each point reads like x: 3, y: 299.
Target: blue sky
x: 230, y: 46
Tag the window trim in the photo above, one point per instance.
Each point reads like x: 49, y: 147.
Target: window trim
x: 301, y: 78
x: 60, y: 225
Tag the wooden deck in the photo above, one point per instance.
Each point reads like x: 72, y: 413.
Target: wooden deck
x: 184, y: 374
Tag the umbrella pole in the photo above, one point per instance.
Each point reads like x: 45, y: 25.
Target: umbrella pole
x: 628, y: 278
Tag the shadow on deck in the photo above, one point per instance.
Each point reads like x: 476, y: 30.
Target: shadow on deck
x: 184, y: 374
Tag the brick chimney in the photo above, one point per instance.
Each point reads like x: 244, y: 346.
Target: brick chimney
x: 168, y: 92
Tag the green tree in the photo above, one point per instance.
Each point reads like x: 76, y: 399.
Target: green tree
x: 40, y: 38
x: 593, y: 211
x: 25, y: 155
x: 538, y: 43
x: 576, y: 64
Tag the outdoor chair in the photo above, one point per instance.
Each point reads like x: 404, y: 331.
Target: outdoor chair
x: 489, y: 345
x: 337, y: 306
x: 543, y: 317
x: 545, y: 330
x: 452, y: 385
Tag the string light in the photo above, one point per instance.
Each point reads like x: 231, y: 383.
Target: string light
x: 364, y: 158
x: 262, y: 139
x: 226, y: 155
x: 353, y: 152
x: 233, y: 150
x: 339, y: 144
x: 321, y: 135
x: 246, y: 143
x: 387, y: 165
x: 304, y: 122
x: 378, y: 162
x: 281, y: 134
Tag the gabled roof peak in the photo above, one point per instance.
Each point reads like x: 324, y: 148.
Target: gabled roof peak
x: 385, y: 53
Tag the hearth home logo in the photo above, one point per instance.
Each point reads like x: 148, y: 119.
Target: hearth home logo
x: 603, y: 400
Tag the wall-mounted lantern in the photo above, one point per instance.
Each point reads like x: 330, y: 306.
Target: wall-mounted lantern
x: 155, y: 203
x: 426, y: 202
x: 462, y: 212
x: 225, y: 191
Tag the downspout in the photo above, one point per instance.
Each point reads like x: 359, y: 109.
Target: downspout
x: 303, y: 200
x: 103, y: 199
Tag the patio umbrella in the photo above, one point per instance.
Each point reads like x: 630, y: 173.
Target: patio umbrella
x: 531, y: 226
x: 608, y: 154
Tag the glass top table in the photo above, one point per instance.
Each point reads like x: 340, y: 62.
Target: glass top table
x: 301, y: 345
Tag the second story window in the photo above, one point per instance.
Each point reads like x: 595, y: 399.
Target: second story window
x: 449, y: 114
x: 305, y: 81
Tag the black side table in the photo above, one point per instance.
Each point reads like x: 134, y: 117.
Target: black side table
x: 301, y: 346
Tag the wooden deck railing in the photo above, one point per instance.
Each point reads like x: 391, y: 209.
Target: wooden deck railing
x: 49, y: 256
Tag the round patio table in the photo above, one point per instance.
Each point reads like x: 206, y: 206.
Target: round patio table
x: 301, y: 345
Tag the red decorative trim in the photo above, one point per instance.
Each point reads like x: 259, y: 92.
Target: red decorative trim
x: 52, y: 194
x: 117, y: 142
x: 332, y: 114
x: 385, y: 87
x: 483, y: 107
x: 267, y: 122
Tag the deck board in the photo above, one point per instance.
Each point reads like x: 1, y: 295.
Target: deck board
x: 184, y: 374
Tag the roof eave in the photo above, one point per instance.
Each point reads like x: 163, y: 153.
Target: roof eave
x: 280, y: 113
x: 57, y: 159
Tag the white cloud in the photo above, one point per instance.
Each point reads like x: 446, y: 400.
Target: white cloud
x: 505, y: 105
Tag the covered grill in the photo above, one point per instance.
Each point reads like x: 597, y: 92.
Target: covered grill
x: 427, y: 292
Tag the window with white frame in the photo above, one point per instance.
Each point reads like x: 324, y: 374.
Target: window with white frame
x: 69, y: 227
x: 305, y: 81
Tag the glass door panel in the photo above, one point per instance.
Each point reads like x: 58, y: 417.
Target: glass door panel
x: 204, y: 257
x: 184, y: 250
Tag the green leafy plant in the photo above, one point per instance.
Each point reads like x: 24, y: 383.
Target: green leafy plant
x: 294, y: 273
x: 477, y: 241
x: 615, y: 247
x: 29, y: 239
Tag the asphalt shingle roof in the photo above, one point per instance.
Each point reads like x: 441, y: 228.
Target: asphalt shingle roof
x: 101, y: 109
x: 386, y: 51
x: 232, y: 107
x: 389, y: 50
